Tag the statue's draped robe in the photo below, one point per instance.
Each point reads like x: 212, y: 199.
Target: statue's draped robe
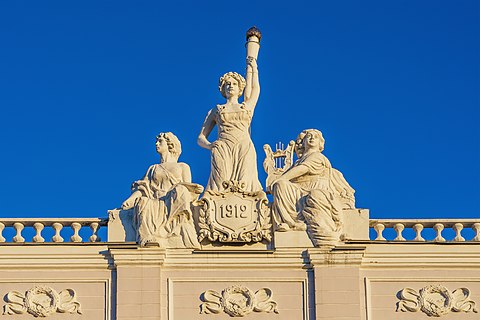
x: 163, y: 211
x: 233, y: 155
x: 316, y: 197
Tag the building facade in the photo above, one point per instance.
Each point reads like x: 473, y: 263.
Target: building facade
x: 397, y: 274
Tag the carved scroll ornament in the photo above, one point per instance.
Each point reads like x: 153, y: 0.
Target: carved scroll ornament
x: 238, y: 301
x: 41, y: 301
x: 435, y: 300
x: 234, y: 215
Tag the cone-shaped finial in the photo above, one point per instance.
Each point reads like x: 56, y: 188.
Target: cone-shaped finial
x: 254, y: 31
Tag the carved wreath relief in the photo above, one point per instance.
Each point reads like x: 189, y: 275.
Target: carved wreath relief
x: 238, y: 301
x: 234, y: 215
x: 435, y: 300
x: 41, y: 301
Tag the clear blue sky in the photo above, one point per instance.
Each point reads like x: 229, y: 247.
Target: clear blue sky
x: 86, y: 85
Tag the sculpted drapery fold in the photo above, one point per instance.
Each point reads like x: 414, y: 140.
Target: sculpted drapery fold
x: 162, y: 199
x: 163, y: 210
x: 233, y: 156
x: 311, y: 194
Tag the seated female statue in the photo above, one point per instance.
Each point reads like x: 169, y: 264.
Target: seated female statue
x: 162, y: 199
x: 311, y: 194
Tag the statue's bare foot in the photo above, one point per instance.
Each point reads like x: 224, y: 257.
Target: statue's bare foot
x: 149, y: 242
x: 300, y: 226
x: 282, y: 227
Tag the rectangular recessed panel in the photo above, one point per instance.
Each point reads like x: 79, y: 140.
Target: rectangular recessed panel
x: 417, y: 299
x: 248, y: 299
x: 47, y: 299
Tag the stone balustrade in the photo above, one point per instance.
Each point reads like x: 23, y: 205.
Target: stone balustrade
x: 34, y: 230
x: 86, y: 230
x: 419, y: 228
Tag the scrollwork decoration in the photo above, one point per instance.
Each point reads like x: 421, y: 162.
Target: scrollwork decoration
x: 435, y: 300
x: 41, y: 301
x: 234, y: 215
x: 238, y: 301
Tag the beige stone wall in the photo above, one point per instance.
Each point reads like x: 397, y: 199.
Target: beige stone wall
x: 289, y: 292
x: 338, y: 293
x: 382, y: 300
x: 170, y: 284
x: 354, y: 281
x: 82, y: 268
x: 93, y: 294
x: 387, y: 269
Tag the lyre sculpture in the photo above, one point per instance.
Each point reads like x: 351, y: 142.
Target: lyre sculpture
x: 276, y: 163
x: 308, y: 194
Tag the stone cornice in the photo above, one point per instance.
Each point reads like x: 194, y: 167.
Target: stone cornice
x: 433, y: 255
x: 339, y: 255
x: 137, y: 256
x: 55, y: 256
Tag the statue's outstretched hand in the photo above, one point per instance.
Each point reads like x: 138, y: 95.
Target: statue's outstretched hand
x: 252, y: 62
x: 192, y: 187
x: 212, y: 145
x: 127, y: 204
x: 198, y: 189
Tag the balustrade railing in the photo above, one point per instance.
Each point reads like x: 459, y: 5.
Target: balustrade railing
x: 34, y: 230
x: 87, y: 230
x: 383, y: 230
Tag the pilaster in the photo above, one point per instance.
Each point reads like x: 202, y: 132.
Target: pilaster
x: 338, y: 286
x: 139, y: 291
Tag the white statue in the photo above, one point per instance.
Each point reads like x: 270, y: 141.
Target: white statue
x: 162, y: 199
x: 233, y: 156
x: 311, y: 194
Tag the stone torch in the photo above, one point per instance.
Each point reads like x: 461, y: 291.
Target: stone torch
x: 253, y: 42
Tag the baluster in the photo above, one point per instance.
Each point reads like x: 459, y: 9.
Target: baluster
x: 476, y: 228
x: 18, y: 227
x: 76, y: 228
x: 379, y: 227
x: 418, y: 228
x: 2, y: 226
x: 94, y: 237
x: 457, y: 227
x: 399, y: 229
x: 57, y: 227
x: 38, y: 229
x: 438, y: 227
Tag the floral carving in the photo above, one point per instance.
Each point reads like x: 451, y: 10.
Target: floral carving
x: 41, y: 301
x: 238, y: 301
x: 435, y: 300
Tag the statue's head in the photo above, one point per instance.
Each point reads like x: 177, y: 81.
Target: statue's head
x: 171, y: 142
x: 310, y: 138
x: 231, y: 84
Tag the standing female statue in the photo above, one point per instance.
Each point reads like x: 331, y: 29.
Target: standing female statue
x: 162, y: 199
x: 233, y: 156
